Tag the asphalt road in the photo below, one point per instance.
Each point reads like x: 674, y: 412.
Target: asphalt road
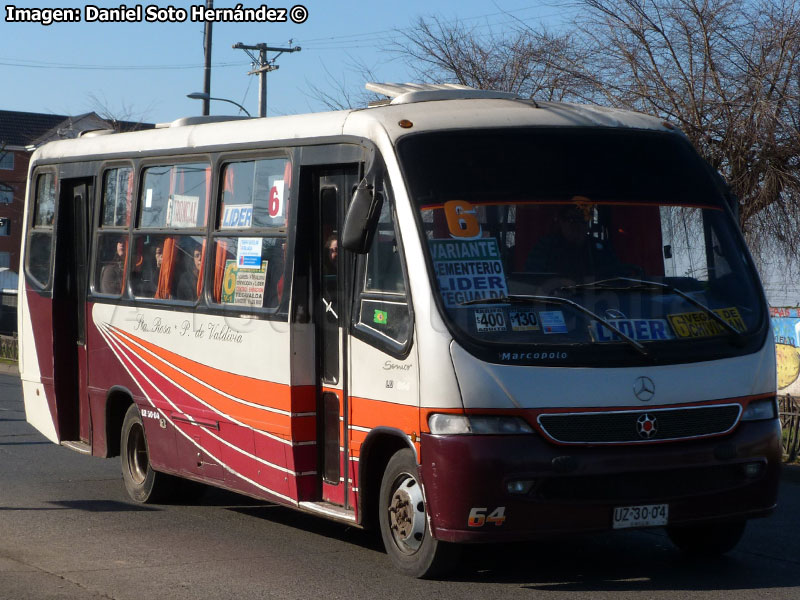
x: 68, y: 531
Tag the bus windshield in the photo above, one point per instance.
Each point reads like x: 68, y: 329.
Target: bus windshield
x: 551, y: 242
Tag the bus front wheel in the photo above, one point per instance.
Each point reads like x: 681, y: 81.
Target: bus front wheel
x: 404, y: 525
x: 709, y: 540
x: 142, y: 483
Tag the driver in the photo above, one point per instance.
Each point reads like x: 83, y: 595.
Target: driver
x: 571, y: 249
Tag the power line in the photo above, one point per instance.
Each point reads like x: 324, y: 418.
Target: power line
x: 262, y: 66
x: 42, y: 65
x: 327, y: 43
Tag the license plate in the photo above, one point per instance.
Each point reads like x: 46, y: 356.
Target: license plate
x: 648, y: 515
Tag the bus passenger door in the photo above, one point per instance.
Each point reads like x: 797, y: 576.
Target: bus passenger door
x: 69, y: 312
x: 333, y: 271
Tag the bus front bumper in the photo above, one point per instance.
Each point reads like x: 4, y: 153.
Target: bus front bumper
x: 574, y: 489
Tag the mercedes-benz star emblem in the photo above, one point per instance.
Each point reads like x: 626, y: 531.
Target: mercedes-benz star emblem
x: 646, y: 426
x: 644, y: 388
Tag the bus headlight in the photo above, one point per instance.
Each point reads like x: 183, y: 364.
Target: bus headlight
x: 443, y: 424
x: 761, y: 410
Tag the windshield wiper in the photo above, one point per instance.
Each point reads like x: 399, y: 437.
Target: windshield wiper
x: 646, y: 285
x: 527, y: 299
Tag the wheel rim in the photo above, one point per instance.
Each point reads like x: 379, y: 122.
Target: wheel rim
x: 136, y: 452
x: 407, y: 514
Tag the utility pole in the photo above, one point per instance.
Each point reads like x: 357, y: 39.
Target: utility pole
x: 262, y: 66
x: 207, y: 71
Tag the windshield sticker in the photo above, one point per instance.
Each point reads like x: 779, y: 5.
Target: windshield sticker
x: 641, y: 330
x: 381, y: 317
x: 700, y: 324
x: 468, y: 270
x: 552, y: 321
x: 523, y: 320
x: 490, y: 319
x: 248, y: 253
x: 244, y: 287
x: 182, y: 210
x: 462, y: 219
x: 276, y: 202
x: 237, y: 215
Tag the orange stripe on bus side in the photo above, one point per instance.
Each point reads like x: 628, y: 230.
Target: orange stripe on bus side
x: 370, y: 414
x: 375, y: 413
x: 254, y: 417
x: 240, y: 386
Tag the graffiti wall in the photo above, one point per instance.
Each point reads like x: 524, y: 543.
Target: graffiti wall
x: 786, y: 329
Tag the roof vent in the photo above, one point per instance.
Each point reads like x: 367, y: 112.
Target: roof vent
x: 407, y: 93
x: 200, y: 120
x: 87, y: 133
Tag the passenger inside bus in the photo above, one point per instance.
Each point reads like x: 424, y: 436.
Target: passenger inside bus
x: 113, y: 271
x: 145, y: 278
x: 331, y: 254
x: 186, y: 288
x: 329, y: 275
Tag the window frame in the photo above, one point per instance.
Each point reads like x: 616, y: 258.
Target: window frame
x: 7, y: 189
x: 358, y: 328
x: 11, y: 159
x: 98, y: 229
x: 588, y: 356
x: 135, y: 230
x: 216, y: 233
x: 32, y: 228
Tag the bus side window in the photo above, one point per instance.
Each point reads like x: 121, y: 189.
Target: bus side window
x: 249, y: 246
x: 112, y: 237
x: 168, y: 265
x: 40, y: 240
x: 112, y: 253
x: 382, y: 310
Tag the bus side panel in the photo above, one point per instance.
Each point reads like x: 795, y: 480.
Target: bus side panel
x: 106, y: 371
x: 36, y: 336
x: 37, y: 409
x: 215, y: 387
x: 384, y: 393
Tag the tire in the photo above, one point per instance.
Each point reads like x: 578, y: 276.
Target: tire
x: 707, y: 541
x: 143, y: 484
x: 403, y: 520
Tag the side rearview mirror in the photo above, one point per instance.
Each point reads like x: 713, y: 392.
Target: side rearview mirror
x: 362, y: 218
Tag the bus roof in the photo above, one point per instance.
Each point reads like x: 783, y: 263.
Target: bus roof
x: 455, y: 107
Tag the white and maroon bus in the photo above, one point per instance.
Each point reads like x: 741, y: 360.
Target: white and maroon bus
x: 457, y: 315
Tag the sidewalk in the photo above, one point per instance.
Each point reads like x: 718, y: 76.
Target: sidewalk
x: 9, y: 368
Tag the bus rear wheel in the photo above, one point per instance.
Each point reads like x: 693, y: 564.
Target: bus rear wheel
x: 143, y: 484
x: 403, y: 519
x: 707, y: 541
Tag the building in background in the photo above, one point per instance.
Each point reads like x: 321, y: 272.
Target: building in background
x: 20, y: 134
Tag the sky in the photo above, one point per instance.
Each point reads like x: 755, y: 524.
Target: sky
x: 142, y: 71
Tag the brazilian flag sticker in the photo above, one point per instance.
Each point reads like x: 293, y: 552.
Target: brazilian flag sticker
x: 380, y: 317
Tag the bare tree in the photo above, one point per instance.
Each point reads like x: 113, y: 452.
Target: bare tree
x: 727, y: 72
x: 336, y: 94
x: 520, y: 60
x: 125, y: 113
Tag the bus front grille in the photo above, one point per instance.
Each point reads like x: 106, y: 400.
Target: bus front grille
x: 642, y: 486
x: 640, y: 426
